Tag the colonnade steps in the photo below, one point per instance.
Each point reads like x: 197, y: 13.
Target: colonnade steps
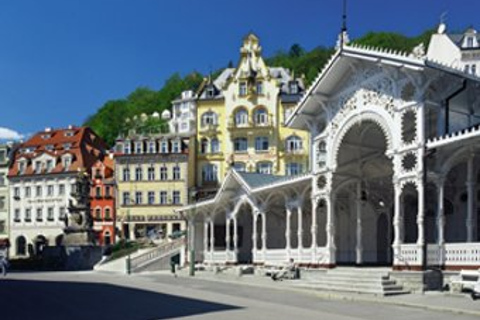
x: 374, y: 280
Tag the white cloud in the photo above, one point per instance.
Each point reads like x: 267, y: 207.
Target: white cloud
x: 9, y: 134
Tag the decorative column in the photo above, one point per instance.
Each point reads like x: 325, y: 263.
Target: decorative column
x: 330, y: 229
x: 397, y: 222
x: 205, y: 237
x: 420, y: 222
x: 287, y: 230
x: 440, y: 219
x: 300, y: 230
x: 254, y: 235
x: 212, y: 239
x: 359, y: 247
x: 235, y: 237
x: 264, y: 235
x: 228, y: 236
x: 314, y: 229
x: 471, y: 198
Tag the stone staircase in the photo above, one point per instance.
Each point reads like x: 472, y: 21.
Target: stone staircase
x: 355, y: 280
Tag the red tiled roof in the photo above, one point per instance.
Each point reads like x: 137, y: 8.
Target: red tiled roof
x: 83, y: 144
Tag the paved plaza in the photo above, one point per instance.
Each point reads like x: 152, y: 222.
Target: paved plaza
x: 93, y: 295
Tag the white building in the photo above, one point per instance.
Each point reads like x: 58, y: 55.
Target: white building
x: 459, y: 50
x: 41, y: 180
x: 4, y: 163
x: 395, y: 178
x: 184, y: 114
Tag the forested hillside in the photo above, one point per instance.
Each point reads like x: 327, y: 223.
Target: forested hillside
x: 109, y: 120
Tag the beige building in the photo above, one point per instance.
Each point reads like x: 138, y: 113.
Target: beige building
x: 154, y: 174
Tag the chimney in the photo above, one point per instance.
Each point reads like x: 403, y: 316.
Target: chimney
x: 48, y: 129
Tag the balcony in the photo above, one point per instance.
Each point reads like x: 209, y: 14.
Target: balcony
x: 209, y: 129
x: 295, y: 152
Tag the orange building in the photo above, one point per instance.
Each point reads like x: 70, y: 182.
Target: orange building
x: 102, y: 201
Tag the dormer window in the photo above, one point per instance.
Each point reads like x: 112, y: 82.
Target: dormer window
x: 138, y: 147
x: 242, y: 89
x: 126, y: 148
x: 67, y: 146
x: 470, y: 42
x: 38, y: 167
x: 151, y: 147
x: 293, y: 87
x: 260, y: 87
x: 69, y: 134
x: 49, y: 165
x: 49, y: 147
x: 164, y: 146
x: 21, y: 167
x: 176, y: 147
x: 67, y: 161
x: 46, y: 136
x: 210, y: 92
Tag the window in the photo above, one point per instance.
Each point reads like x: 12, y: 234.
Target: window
x: 209, y: 173
x: 108, y: 214
x: 38, y: 191
x: 293, y: 87
x: 69, y: 134
x: 2, y: 203
x: 176, y: 147
x: 126, y: 174
x: 151, y: 197
x: 39, y: 216
x: 210, y: 92
x: 209, y: 118
x: 240, y: 144
x: 126, y: 147
x: 50, y: 190
x: 108, y: 192
x: 98, y: 214
x: 322, y: 154
x: 293, y: 143
x: 16, y: 215
x: 151, y: 173
x: 164, y: 146
x: 126, y: 198
x: 163, y: 197
x: 215, y: 145
x: 241, y: 117
x: 61, y: 189
x: 242, y: 89
x: 259, y: 87
x: 204, y: 146
x: 21, y: 246
x: 3, y: 156
x: 67, y: 146
x: 50, y: 215
x: 138, y: 174
x: 176, y: 197
x: 28, y: 192
x: 138, y: 147
x: 28, y: 215
x: 3, y: 225
x: 21, y: 167
x: 49, y: 165
x: 38, y: 167
x: 261, y: 144
x: 474, y: 69
x: 98, y: 192
x: 293, y: 169
x: 264, y: 167
x: 239, y: 166
x: 61, y: 213
x: 151, y: 147
x: 466, y: 68
x: 163, y: 173
x: 260, y: 116
x: 176, y: 173
x: 16, y: 192
x: 470, y: 42
x: 67, y: 161
x: 138, y: 197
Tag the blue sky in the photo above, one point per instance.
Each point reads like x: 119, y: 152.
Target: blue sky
x: 60, y: 60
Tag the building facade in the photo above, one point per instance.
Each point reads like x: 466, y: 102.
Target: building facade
x: 102, y: 203
x: 42, y: 178
x: 184, y: 114
x: 240, y: 121
x: 154, y: 175
x: 5, y: 154
x: 395, y: 179
x: 460, y: 50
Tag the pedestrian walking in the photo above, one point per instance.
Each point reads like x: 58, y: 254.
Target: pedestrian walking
x: 4, y: 265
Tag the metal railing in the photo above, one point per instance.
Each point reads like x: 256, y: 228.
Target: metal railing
x: 162, y: 251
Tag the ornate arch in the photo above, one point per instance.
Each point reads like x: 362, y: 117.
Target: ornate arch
x: 244, y: 200
x: 455, y: 158
x: 377, y: 116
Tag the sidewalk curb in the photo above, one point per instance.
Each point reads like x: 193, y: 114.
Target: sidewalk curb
x: 339, y: 296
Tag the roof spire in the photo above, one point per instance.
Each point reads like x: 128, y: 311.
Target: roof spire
x: 343, y: 36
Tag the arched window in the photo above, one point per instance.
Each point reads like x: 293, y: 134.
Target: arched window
x: 215, y: 146
x: 21, y: 244
x: 241, y: 117
x: 260, y: 116
x: 108, y: 214
x: 264, y: 167
x: 209, y: 118
x: 322, y: 154
x: 293, y: 143
x: 204, y: 146
x: 107, y: 238
x: 98, y: 213
x: 293, y: 169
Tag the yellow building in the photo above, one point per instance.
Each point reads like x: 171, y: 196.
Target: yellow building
x: 154, y: 174
x: 240, y: 121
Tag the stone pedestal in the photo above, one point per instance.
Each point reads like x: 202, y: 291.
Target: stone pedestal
x: 78, y: 237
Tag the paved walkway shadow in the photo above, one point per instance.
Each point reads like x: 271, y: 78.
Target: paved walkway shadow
x: 25, y: 300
